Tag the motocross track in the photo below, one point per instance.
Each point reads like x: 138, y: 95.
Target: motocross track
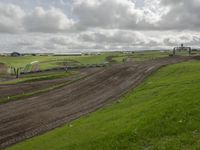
x: 26, y: 118
x: 7, y: 90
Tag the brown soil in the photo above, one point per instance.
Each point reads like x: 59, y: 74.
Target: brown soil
x: 7, y: 90
x: 26, y: 118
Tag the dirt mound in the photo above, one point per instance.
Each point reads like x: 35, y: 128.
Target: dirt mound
x: 7, y: 90
x: 26, y: 118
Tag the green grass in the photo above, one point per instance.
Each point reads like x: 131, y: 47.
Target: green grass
x: 140, y: 56
x: 148, y: 55
x: 163, y: 113
x: 40, y: 77
x: 37, y: 92
x: 47, y: 62
x: 51, y: 61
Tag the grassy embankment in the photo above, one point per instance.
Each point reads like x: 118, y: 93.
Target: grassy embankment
x: 141, y: 56
x: 41, y: 77
x: 162, y: 113
x: 56, y: 61
x: 47, y: 62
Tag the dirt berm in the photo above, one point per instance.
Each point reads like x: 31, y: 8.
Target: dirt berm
x: 8, y: 90
x: 28, y: 117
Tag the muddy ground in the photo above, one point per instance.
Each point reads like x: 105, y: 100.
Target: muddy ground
x: 8, y: 90
x: 26, y: 118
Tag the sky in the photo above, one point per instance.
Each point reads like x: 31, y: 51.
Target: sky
x: 63, y: 26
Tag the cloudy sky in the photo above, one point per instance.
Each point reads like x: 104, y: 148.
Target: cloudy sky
x: 94, y: 25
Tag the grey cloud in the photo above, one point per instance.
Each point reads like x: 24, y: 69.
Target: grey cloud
x: 103, y: 14
x: 53, y: 20
x: 110, y: 14
x: 59, y: 40
x: 182, y: 15
x: 10, y: 18
x: 13, y: 19
x: 122, y: 14
x: 100, y: 24
x: 114, y: 36
x: 107, y: 40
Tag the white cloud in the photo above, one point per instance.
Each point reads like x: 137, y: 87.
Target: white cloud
x: 72, y: 25
x: 52, y: 20
x: 11, y: 18
x: 182, y: 15
x: 109, y: 14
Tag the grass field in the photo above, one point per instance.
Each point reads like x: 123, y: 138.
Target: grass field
x: 41, y: 77
x: 56, y: 61
x: 161, y: 114
x: 48, y: 62
x: 51, y: 61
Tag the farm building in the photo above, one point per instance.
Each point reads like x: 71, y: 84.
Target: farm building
x: 68, y: 54
x: 15, y: 54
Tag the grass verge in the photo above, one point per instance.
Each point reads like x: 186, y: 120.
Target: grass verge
x: 40, y: 77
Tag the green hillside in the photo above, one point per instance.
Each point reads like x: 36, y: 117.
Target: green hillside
x: 51, y: 61
x: 163, y: 113
x: 47, y: 62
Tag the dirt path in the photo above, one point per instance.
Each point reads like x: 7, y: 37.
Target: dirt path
x: 7, y: 90
x: 26, y: 118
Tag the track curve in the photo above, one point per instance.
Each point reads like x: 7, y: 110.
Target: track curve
x: 26, y: 118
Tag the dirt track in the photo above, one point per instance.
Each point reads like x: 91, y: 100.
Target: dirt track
x: 26, y: 118
x: 7, y: 90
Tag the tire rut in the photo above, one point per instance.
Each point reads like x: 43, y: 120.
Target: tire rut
x: 29, y: 117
